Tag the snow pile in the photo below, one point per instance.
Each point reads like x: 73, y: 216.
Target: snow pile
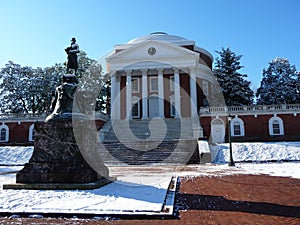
x: 257, y: 152
x: 15, y: 155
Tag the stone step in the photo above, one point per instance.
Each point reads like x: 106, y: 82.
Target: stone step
x: 150, y: 152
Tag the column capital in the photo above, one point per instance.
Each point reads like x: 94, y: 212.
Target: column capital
x: 160, y: 70
x: 176, y: 70
x: 144, y: 71
x: 192, y: 69
x: 128, y: 72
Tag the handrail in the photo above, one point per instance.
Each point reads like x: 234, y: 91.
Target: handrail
x: 249, y: 109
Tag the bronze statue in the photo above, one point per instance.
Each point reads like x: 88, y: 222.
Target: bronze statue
x: 72, y: 56
x: 69, y: 101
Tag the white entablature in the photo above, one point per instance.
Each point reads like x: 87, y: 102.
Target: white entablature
x: 143, y: 54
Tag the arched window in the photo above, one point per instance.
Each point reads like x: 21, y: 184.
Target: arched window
x: 276, y: 126
x: 237, y: 127
x: 31, y: 133
x: 4, y: 133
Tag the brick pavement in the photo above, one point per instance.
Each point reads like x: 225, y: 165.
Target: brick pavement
x: 238, y: 199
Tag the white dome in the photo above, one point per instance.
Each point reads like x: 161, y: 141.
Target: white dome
x: 159, y: 36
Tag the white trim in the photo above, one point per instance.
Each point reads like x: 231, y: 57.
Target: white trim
x: 172, y: 106
x: 145, y: 94
x: 135, y: 81
x: 31, y: 133
x: 177, y: 93
x: 136, y: 100
x: 151, y: 87
x: 171, y: 83
x: 128, y: 95
x: 3, y: 126
x: 217, y: 130
x: 271, y: 128
x: 193, y: 93
x: 241, y: 124
x: 160, y: 84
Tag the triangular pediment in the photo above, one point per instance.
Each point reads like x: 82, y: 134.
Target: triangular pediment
x: 152, y: 50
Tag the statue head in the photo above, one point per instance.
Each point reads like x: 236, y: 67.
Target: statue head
x: 73, y: 40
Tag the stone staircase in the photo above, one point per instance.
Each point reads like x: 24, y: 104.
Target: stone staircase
x: 155, y: 141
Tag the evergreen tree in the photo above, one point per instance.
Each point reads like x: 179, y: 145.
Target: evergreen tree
x: 26, y: 90
x: 234, y: 86
x: 279, y: 84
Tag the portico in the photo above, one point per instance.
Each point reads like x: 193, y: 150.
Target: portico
x: 159, y: 75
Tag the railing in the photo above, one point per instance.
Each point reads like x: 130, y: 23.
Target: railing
x: 249, y: 109
x: 14, y: 116
x: 42, y: 116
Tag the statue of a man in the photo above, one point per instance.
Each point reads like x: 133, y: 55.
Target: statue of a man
x: 69, y: 102
x: 72, y: 56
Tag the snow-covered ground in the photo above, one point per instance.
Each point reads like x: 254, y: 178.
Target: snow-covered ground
x: 137, y: 189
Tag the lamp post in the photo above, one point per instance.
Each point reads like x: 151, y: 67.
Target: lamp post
x: 231, y: 162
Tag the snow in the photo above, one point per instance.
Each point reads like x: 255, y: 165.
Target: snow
x: 257, y: 152
x: 141, y: 189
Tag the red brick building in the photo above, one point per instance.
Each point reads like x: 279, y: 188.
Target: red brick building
x: 251, y: 123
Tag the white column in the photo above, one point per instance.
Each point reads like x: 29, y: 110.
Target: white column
x: 161, y: 94
x: 128, y: 94
x: 113, y: 106
x: 117, y: 112
x: 193, y: 93
x: 145, y: 93
x: 177, y: 93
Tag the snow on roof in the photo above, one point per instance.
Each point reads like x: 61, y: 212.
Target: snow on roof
x: 160, y: 36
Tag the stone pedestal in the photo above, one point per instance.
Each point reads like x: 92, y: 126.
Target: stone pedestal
x: 62, y: 155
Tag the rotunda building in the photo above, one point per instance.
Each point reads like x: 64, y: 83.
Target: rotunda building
x: 159, y: 75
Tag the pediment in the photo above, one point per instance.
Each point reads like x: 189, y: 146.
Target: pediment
x: 152, y: 50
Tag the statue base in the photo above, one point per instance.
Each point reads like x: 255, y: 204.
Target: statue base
x: 58, y: 163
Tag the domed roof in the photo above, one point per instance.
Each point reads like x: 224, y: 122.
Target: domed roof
x: 159, y: 36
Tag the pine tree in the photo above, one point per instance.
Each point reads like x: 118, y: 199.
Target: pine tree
x: 279, y: 84
x: 235, y: 88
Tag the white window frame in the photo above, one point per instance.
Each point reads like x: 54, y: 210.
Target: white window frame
x: 135, y: 80
x: 172, y: 83
x: 3, y: 126
x: 242, y: 127
x: 136, y: 100
x: 172, y: 106
x: 151, y: 87
x: 281, y: 126
x: 31, y: 133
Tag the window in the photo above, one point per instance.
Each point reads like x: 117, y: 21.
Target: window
x: 276, y: 126
x: 4, y: 133
x: 172, y: 106
x: 237, y: 127
x: 171, y: 83
x: 31, y: 133
x: 135, y: 110
x: 154, y: 84
x: 135, y: 85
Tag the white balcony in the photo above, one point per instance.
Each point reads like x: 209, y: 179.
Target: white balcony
x: 246, y: 110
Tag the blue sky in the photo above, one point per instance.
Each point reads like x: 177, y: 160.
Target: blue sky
x: 35, y: 32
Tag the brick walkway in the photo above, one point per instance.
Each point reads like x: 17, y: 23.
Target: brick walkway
x: 238, y: 199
